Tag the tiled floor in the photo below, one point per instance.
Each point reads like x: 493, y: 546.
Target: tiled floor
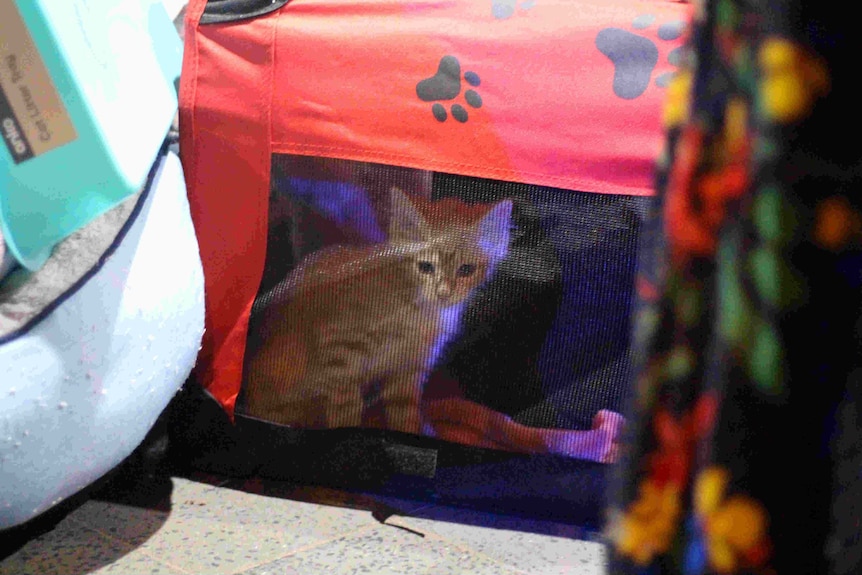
x: 259, y: 527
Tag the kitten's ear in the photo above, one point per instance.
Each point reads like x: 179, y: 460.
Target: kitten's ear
x: 494, y: 230
x: 406, y: 224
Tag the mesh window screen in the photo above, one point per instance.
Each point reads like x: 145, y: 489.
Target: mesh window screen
x: 480, y: 311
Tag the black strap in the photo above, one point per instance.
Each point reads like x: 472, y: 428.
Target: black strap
x: 220, y: 11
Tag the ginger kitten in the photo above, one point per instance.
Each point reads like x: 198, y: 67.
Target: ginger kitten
x: 352, y: 318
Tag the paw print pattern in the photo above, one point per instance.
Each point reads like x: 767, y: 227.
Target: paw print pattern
x: 635, y: 56
x: 503, y: 9
x: 446, y: 85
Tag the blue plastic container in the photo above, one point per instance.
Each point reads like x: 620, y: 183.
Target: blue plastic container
x: 86, y: 98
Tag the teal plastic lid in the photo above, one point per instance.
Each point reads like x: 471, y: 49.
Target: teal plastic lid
x: 86, y: 99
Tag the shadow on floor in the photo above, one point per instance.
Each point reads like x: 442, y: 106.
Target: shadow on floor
x: 142, y: 480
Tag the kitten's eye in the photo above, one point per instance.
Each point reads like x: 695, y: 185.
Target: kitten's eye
x: 425, y: 267
x: 466, y: 270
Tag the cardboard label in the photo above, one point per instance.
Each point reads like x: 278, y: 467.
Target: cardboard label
x: 33, y: 119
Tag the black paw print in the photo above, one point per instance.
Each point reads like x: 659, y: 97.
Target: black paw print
x: 446, y: 85
x: 502, y: 9
x: 635, y: 56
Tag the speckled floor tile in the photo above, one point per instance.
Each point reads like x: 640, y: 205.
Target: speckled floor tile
x: 139, y: 563
x: 73, y: 549
x: 385, y: 550
x: 279, y: 529
x: 378, y: 504
x: 220, y: 530
x: 135, y: 525
x: 534, y: 547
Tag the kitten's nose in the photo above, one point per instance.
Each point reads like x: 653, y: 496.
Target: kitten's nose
x: 444, y: 291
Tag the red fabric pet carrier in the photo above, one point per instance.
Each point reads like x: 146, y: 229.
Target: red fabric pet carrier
x: 421, y: 216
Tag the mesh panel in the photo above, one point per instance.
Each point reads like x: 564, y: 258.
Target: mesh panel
x: 543, y: 340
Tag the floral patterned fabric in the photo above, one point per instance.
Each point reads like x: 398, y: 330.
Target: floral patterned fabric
x: 743, y: 452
